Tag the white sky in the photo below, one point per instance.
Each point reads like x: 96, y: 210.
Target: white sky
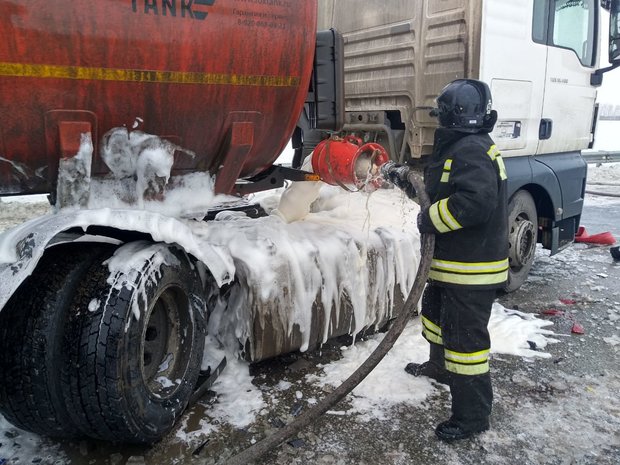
x: 610, y: 90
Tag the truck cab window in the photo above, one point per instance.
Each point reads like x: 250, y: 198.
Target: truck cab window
x: 573, y: 26
x: 567, y: 24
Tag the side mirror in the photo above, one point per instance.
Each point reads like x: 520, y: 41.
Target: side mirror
x: 614, y: 32
x: 613, y: 6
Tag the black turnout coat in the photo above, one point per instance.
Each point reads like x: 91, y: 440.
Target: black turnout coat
x: 466, y: 183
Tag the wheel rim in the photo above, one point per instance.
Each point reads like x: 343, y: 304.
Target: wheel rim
x: 522, y: 242
x: 164, y: 348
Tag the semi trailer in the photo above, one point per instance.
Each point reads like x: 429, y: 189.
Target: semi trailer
x: 152, y: 125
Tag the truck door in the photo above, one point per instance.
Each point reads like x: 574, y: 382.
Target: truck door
x: 515, y: 67
x: 570, y: 32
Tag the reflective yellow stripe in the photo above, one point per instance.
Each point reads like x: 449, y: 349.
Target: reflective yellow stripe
x: 447, y: 217
x: 471, y: 280
x: 493, y: 152
x: 496, y: 156
x: 447, y: 166
x: 502, y: 168
x: 436, y: 219
x: 471, y: 370
x: 469, y: 267
x: 431, y: 326
x: 468, y: 273
x: 431, y: 331
x: 441, y: 217
x: 467, y: 358
x: 143, y: 75
x: 431, y: 337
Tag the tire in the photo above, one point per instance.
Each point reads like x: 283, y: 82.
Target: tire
x: 31, y: 335
x: 142, y: 321
x: 522, y: 238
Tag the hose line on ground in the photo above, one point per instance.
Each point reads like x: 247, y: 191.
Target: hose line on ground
x: 262, y: 447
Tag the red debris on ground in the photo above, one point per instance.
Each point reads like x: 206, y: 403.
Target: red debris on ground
x: 577, y: 328
x: 552, y: 312
x: 604, y: 238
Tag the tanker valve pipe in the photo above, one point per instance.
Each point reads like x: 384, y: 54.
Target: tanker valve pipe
x: 344, y: 162
x: 348, y: 163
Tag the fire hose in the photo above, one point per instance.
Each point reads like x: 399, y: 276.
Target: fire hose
x: 262, y: 447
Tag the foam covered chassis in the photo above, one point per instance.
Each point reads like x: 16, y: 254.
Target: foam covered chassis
x: 108, y: 317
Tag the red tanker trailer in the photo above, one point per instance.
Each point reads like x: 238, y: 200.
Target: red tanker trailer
x: 224, y: 80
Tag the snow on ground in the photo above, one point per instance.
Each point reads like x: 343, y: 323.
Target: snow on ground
x: 604, y: 173
x: 603, y: 179
x: 16, y: 210
x: 579, y: 427
x: 510, y: 332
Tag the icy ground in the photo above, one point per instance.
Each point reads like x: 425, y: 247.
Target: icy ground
x: 555, y: 404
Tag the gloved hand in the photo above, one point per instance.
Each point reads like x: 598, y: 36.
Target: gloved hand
x: 425, y: 225
x: 394, y: 172
x: 397, y: 173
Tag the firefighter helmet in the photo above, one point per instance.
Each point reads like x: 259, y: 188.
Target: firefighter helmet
x: 465, y: 105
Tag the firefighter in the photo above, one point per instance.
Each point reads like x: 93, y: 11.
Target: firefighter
x: 466, y: 183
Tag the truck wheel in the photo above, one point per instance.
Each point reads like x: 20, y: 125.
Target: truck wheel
x: 135, y: 344
x: 522, y: 238
x: 31, y: 334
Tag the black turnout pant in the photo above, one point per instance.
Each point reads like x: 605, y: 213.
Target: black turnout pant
x: 456, y: 319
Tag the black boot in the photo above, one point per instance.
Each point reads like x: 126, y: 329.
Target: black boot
x: 472, y: 397
x: 434, y: 368
x: 451, y: 431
